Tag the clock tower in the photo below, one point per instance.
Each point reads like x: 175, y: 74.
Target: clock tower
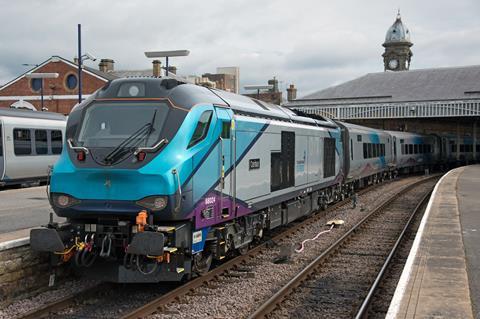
x: 397, y: 45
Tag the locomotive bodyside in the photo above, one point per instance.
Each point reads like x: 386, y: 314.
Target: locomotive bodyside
x: 156, y: 186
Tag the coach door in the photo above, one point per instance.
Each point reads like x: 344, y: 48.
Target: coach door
x: 2, y: 165
x: 394, y: 151
x: 226, y: 185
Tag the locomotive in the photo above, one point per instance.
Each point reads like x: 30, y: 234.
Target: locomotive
x: 159, y: 178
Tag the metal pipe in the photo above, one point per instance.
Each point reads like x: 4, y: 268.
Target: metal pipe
x: 41, y: 94
x: 233, y: 134
x: 79, y: 63
x: 166, y: 66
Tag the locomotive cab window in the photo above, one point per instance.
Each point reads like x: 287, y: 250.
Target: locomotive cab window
x: 201, y: 129
x: 139, y: 122
x: 226, y: 127
x: 22, y: 142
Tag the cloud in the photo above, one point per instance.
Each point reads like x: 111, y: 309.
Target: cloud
x: 313, y: 44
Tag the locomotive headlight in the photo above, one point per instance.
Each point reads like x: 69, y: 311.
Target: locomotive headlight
x: 64, y: 200
x: 154, y: 203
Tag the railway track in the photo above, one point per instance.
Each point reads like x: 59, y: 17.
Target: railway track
x: 160, y: 304
x: 341, y: 282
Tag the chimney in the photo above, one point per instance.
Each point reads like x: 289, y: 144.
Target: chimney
x: 157, y: 68
x: 172, y: 69
x: 291, y: 93
x: 106, y: 65
x: 75, y: 60
x: 273, y: 82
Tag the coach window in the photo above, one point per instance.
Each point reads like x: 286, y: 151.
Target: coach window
x: 57, y: 143
x: 1, y: 142
x: 202, y: 128
x: 359, y: 138
x: 365, y: 153
x: 370, y: 150
x: 41, y: 145
x: 22, y: 142
x: 410, y: 149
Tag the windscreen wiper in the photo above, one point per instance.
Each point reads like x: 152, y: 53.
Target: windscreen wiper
x: 142, y: 133
x: 121, y: 149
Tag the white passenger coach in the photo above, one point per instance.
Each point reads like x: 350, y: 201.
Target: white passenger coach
x: 30, y: 141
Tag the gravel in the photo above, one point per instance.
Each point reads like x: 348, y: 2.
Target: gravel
x: 22, y: 306
x: 238, y: 296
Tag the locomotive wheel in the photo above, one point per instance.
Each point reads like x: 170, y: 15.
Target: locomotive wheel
x: 202, y: 263
x: 243, y: 250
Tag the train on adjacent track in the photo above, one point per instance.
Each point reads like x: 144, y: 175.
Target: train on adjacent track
x: 159, y: 178
x: 30, y: 142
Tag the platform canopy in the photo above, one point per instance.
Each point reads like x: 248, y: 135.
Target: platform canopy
x: 438, y: 92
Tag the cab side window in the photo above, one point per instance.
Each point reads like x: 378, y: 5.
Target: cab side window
x: 201, y: 129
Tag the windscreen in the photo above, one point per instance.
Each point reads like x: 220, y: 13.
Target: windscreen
x: 108, y: 124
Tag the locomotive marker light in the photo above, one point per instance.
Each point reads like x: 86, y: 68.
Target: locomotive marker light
x: 166, y: 55
x: 41, y: 76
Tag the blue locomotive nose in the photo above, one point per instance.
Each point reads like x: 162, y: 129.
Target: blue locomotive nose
x: 100, y: 192
x: 109, y: 184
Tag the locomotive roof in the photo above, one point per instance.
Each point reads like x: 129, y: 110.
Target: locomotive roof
x: 32, y: 114
x: 188, y: 95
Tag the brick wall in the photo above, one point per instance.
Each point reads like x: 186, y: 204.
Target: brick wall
x: 52, y: 87
x: 23, y: 272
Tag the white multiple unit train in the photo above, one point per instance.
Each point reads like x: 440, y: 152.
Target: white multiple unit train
x: 29, y: 142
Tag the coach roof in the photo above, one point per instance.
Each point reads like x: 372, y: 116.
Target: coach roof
x: 32, y: 114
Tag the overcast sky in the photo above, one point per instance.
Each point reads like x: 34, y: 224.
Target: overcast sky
x: 314, y: 44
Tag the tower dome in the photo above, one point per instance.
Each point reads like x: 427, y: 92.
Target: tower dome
x: 397, y: 45
x: 398, y: 32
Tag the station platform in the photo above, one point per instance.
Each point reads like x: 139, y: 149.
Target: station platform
x: 441, y: 278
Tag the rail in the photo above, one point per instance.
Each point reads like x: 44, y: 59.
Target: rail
x: 267, y: 307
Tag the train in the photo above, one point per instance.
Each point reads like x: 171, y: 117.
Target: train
x: 158, y: 179
x: 30, y: 142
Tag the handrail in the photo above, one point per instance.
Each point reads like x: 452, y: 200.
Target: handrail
x: 154, y: 148
x: 77, y: 148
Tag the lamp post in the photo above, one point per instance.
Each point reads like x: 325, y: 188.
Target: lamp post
x: 41, y: 76
x: 166, y: 55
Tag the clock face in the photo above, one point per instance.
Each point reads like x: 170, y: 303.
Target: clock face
x: 393, y: 64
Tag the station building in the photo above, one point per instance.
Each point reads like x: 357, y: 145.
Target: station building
x: 61, y: 94
x: 437, y: 100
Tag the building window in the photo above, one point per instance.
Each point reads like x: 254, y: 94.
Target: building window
x: 22, y: 143
x: 71, y: 81
x: 57, y: 142
x: 41, y: 145
x: 36, y: 84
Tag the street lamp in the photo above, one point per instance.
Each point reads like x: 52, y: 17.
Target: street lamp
x: 166, y: 55
x: 41, y: 76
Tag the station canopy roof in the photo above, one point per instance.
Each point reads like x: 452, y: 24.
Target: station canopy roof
x: 438, y: 84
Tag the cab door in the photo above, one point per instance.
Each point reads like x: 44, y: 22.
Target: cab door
x: 226, y: 153
x: 2, y: 158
